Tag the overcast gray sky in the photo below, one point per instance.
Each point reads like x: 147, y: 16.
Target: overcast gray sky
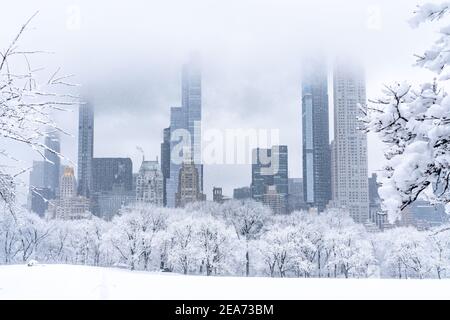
x: 127, y: 56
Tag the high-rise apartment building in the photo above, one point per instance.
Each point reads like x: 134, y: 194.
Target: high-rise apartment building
x: 350, y: 181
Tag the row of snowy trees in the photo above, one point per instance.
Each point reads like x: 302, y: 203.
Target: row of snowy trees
x: 236, y: 238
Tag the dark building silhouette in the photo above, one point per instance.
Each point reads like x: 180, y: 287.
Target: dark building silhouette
x: 218, y: 195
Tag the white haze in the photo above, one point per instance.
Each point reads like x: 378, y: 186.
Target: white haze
x: 127, y: 56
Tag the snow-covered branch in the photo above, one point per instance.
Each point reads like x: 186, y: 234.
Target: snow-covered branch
x: 27, y: 104
x: 414, y: 123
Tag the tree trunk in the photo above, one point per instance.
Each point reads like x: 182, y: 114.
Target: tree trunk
x: 247, y: 263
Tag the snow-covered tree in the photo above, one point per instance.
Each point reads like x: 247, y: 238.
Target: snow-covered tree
x: 408, y: 253
x: 85, y: 240
x: 57, y: 245
x: 313, y: 228
x: 277, y: 248
x: 214, y: 240
x: 247, y: 218
x: 439, y: 246
x: 414, y: 122
x: 32, y: 231
x: 346, y: 243
x: 351, y: 254
x: 184, y: 253
x: 133, y: 233
x: 9, y: 238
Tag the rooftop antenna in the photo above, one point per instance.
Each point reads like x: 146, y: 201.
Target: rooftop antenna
x: 141, y: 151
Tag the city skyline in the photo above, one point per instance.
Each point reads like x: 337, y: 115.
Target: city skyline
x: 311, y: 86
x: 104, y: 182
x: 249, y: 70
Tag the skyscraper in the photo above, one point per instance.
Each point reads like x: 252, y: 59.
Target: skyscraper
x: 296, y: 199
x: 112, y: 185
x: 165, y: 161
x: 270, y: 168
x: 274, y: 200
x: 38, y: 194
x: 262, y: 175
x: 69, y: 206
x: 350, y: 181
x: 191, y: 98
x: 315, y: 124
x: 280, y: 173
x: 185, y: 128
x: 189, y: 184
x: 52, y: 163
x: 149, y: 183
x: 112, y: 172
x: 68, y: 184
x: 177, y: 125
x: 85, y: 149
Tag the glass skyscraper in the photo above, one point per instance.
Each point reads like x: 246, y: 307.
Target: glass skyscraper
x: 52, y: 165
x: 270, y: 168
x: 185, y: 128
x: 165, y: 161
x: 85, y: 149
x: 315, y: 124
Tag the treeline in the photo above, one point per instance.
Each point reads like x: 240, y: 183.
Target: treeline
x: 235, y: 238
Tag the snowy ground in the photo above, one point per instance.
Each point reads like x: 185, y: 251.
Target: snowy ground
x: 80, y: 282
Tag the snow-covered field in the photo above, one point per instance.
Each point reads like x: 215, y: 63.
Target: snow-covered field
x: 81, y: 282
